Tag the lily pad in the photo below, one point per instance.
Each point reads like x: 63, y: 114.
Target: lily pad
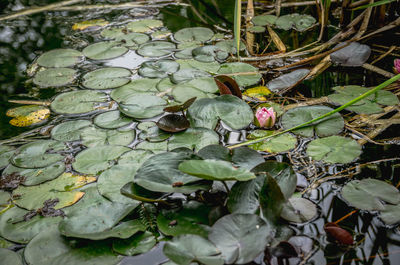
x: 92, y: 24
x: 230, y: 46
x: 28, y: 115
x: 287, y: 80
x: 197, y: 34
x: 158, y: 69
x: 256, y: 29
x: 334, y: 149
x: 355, y: 54
x: 136, y: 192
x: 150, y: 132
x: 62, y: 188
x: 390, y: 214
x: 156, y: 49
x: 193, y: 138
x: 49, y: 248
x: 60, y: 58
x: 161, y: 174
x: 209, y: 53
x: 211, y: 67
x: 78, y: 102
x: 137, y: 244
x: 142, y: 106
x: 173, y: 123
x: 6, y: 152
x: 93, y: 136
x: 185, y: 75
x: 135, y: 87
x: 69, y: 130
x: 277, y: 144
x: 106, y: 78
x: 36, y: 155
x: 95, y: 159
x: 264, y: 20
x: 186, y: 249
x: 271, y: 199
x: 368, y: 194
x: 111, y: 120
x: 231, y: 110
x: 241, y: 72
x: 55, y: 77
x: 104, y: 50
x: 258, y: 93
x: 131, y: 40
x: 10, y: 257
x: 299, y: 210
x: 240, y: 237
x: 295, y: 21
x: 329, y: 126
x: 203, y: 87
x: 144, y: 25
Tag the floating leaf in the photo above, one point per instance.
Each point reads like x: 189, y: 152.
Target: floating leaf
x: 329, y: 126
x: 185, y: 75
x: 62, y: 188
x: 137, y: 244
x: 240, y: 237
x: 142, y: 106
x: 186, y: 249
x: 6, y: 152
x: 104, y: 50
x: 28, y: 115
x: 36, y: 155
x: 111, y: 120
x: 173, y: 123
x: 69, y: 130
x: 144, y: 25
x: 60, y: 58
x: 370, y: 105
x: 150, y: 132
x: 215, y: 170
x: 131, y: 40
x: 258, y: 93
x: 366, y: 194
x: 158, y: 69
x: 230, y: 46
x: 287, y: 80
x: 93, y: 136
x: 160, y: 34
x: 338, y: 233
x: 197, y: 35
x: 299, y: 210
x: 106, y: 78
x: 390, y: 214
x: 181, y: 107
x: 334, y: 149
x: 244, y: 74
x: 231, y: 110
x: 193, y: 139
x: 256, y: 29
x: 10, y: 257
x: 277, y: 144
x: 49, y: 248
x: 202, y: 66
x: 264, y: 20
x: 135, y: 87
x: 156, y: 49
x: 55, y: 77
x: 136, y: 192
x: 295, y: 21
x: 93, y: 23
x: 355, y: 54
x: 203, y: 87
x: 209, y: 53
x: 78, y: 102
x: 95, y: 159
x: 271, y: 199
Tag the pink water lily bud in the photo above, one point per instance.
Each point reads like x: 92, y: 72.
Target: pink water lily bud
x: 266, y: 117
x: 397, y: 66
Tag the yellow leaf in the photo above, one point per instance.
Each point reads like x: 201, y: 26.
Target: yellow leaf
x: 257, y: 92
x: 89, y: 23
x: 28, y: 115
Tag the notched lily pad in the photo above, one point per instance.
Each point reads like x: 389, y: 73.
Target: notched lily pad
x: 242, y: 73
x: 69, y: 130
x: 142, y: 106
x: 144, y: 25
x: 6, y: 152
x: 299, y: 210
x: 158, y: 69
x: 209, y: 53
x: 277, y: 144
x: 264, y: 20
x: 287, y: 80
x: 93, y: 136
x: 55, y: 77
x: 60, y: 58
x: 78, y: 102
x: 28, y: 115
x: 196, y: 34
x: 295, y: 21
x: 104, y: 50
x: 106, y: 78
x: 156, y: 49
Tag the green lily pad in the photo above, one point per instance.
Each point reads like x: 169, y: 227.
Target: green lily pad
x: 230, y: 46
x: 158, y: 69
x: 329, y: 126
x: 150, y: 132
x: 49, y: 248
x: 62, y: 188
x: 277, y: 144
x: 240, y: 237
x: 334, y: 149
x: 136, y: 192
x: 78, y: 102
x: 185, y: 53
x: 14, y: 228
x: 256, y: 29
x: 295, y: 21
x: 287, y: 80
x: 137, y: 244
x: 142, y: 106
x: 231, y: 110
x: 264, y: 20
x: 156, y: 49
x: 368, y: 194
x: 111, y: 120
x: 6, y: 152
x: 35, y: 154
x: 244, y: 79
x: 186, y: 249
x: 211, y: 67
x: 131, y: 40
x: 155, y: 147
x: 95, y: 159
x: 203, y: 87
x: 161, y: 174
x: 10, y: 257
x: 185, y: 75
x: 299, y: 210
x: 215, y: 170
x: 35, y: 176
x: 135, y: 87
x: 106, y: 78
x: 160, y: 34
x: 193, y: 138
x: 390, y: 214
x: 69, y: 130
x: 60, y: 58
x: 92, y: 136
x: 209, y: 53
x: 370, y: 105
x: 197, y: 34
x: 144, y: 25
x: 104, y: 50
x: 271, y: 199
x: 55, y: 77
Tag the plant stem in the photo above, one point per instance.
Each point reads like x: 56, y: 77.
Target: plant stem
x: 237, y: 25
x: 351, y: 102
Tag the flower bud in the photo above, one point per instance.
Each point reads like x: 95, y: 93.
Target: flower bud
x: 397, y: 66
x: 265, y: 117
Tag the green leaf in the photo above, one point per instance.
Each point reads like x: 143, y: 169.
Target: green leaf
x: 295, y: 21
x: 209, y: 53
x: 139, y: 193
x: 193, y: 138
x: 144, y: 25
x: 78, y: 102
x: 69, y: 130
x: 60, y: 58
x: 150, y: 132
x: 390, y: 214
x: 299, y: 210
x: 379, y: 3
x: 203, y: 87
x: 271, y: 199
x: 231, y: 110
x: 196, y: 35
x: 240, y: 237
x: 186, y: 249
x: 185, y: 75
x: 137, y: 244
x: 367, y: 194
x: 202, y: 66
x: 237, y: 22
x: 142, y: 106
x: 131, y: 40
x: 93, y: 136
x: 264, y: 20
x: 111, y: 120
x: 215, y: 170
x: 55, y: 77
x: 6, y: 152
x: 158, y: 69
x: 135, y: 87
x: 10, y: 257
x: 329, y: 126
x: 230, y: 46
x: 106, y: 78
x: 156, y: 49
x: 334, y: 149
x: 241, y: 72
x: 104, y: 50
x: 278, y: 144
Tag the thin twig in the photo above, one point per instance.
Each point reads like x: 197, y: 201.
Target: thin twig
x: 378, y: 70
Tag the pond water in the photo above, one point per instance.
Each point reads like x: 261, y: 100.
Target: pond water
x: 22, y: 40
